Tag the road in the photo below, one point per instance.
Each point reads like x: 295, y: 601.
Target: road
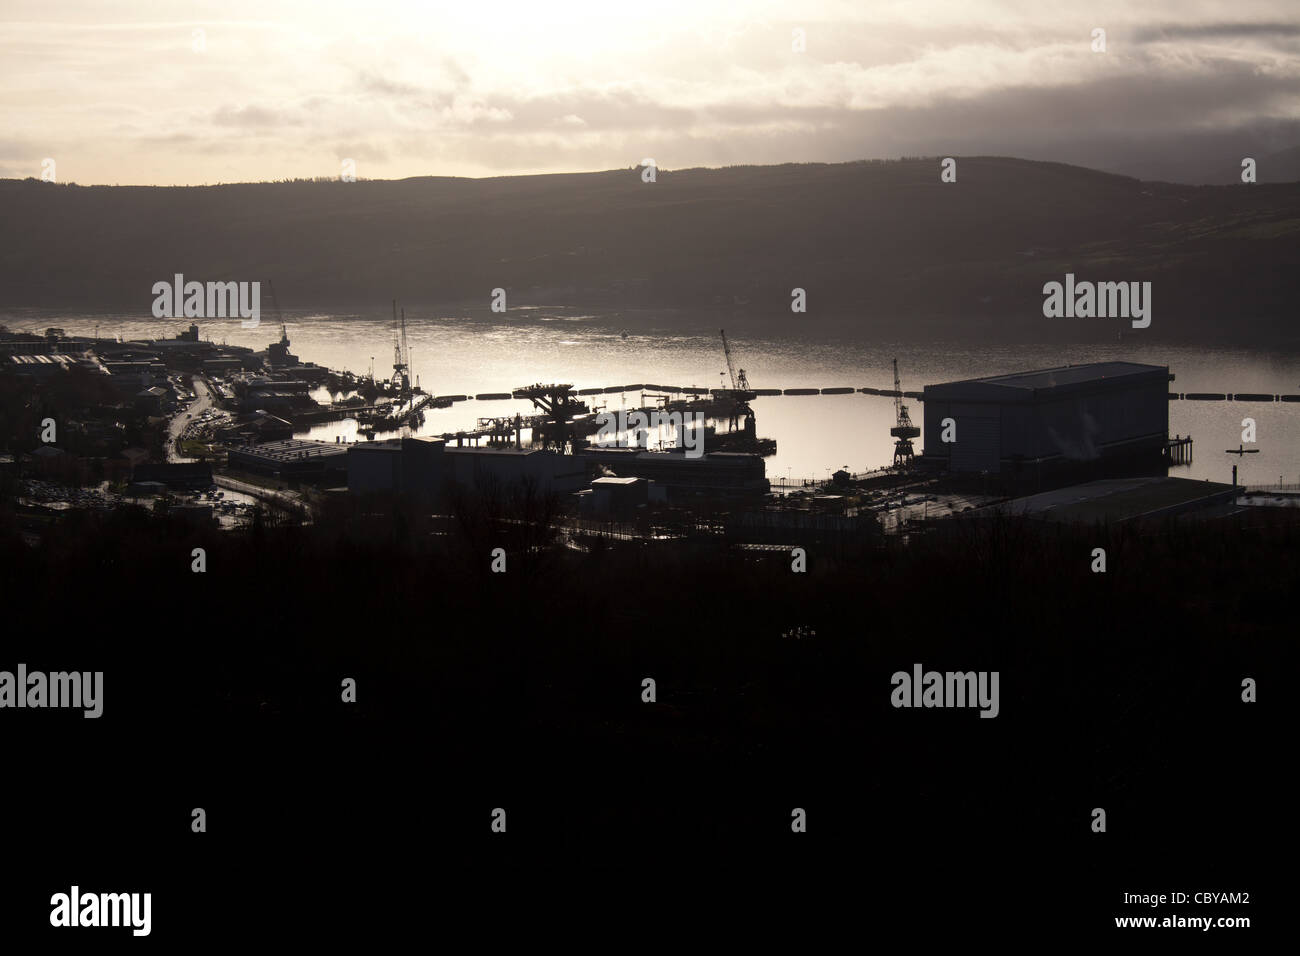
x: 202, y: 402
x: 285, y: 499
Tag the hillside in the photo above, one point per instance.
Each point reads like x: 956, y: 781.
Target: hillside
x: 883, y: 245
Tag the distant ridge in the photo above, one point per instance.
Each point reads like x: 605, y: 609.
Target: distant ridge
x: 882, y: 245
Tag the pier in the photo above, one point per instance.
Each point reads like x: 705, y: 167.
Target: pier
x: 1231, y: 397
x: 675, y: 391
x: 1178, y: 450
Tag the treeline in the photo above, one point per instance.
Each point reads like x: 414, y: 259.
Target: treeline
x: 385, y: 586
x: 526, y: 689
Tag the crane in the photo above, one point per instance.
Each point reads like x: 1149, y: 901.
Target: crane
x: 277, y: 353
x: 401, y: 354
x: 739, y: 382
x: 279, y: 316
x: 903, y: 430
x: 740, y: 393
x: 561, y: 404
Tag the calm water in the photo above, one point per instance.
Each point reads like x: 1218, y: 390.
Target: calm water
x: 815, y: 434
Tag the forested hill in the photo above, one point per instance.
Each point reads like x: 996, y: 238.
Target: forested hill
x: 874, y: 244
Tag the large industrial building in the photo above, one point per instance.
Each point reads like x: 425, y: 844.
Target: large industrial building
x: 713, y: 474
x: 1050, y: 422
x: 1117, y: 500
x: 317, y: 462
x: 419, y: 465
x: 428, y: 466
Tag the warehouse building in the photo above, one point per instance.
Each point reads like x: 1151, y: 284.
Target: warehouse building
x: 619, y: 497
x: 714, y: 474
x: 1117, y: 500
x: 413, y: 465
x: 41, y: 366
x: 429, y: 466
x: 293, y: 460
x: 546, y: 470
x: 402, y: 465
x: 1049, y: 423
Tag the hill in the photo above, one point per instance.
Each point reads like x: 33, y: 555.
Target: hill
x: 878, y: 245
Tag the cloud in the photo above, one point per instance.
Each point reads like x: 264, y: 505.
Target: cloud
x: 502, y: 87
x: 252, y: 117
x: 1183, y: 31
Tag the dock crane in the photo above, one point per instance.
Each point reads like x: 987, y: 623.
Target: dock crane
x: 401, y: 355
x: 740, y: 390
x: 278, y: 352
x: 903, y: 430
x: 279, y: 316
x: 739, y: 382
x: 560, y: 405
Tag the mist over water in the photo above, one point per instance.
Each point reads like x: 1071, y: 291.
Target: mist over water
x: 815, y: 434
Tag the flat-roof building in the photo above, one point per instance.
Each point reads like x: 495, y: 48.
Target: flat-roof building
x: 428, y: 466
x: 713, y: 474
x: 293, y: 460
x: 401, y: 465
x: 548, y: 471
x: 1049, y: 421
x: 41, y: 366
x: 1116, y: 500
x: 620, y: 496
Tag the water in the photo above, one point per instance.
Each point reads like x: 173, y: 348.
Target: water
x: 815, y: 435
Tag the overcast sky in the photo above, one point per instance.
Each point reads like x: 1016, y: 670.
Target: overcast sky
x: 128, y: 92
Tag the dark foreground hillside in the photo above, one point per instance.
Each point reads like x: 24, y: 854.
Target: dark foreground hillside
x: 879, y: 246
x: 522, y: 690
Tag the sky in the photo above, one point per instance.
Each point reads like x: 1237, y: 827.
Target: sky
x: 166, y: 92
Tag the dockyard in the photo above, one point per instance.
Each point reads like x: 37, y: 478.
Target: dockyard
x: 231, y: 425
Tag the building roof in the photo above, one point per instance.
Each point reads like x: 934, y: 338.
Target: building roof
x: 1119, y: 499
x: 42, y: 359
x: 506, y: 452
x: 292, y: 449
x: 1020, y: 385
x: 598, y: 453
x: 397, y: 445
x: 392, y: 446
